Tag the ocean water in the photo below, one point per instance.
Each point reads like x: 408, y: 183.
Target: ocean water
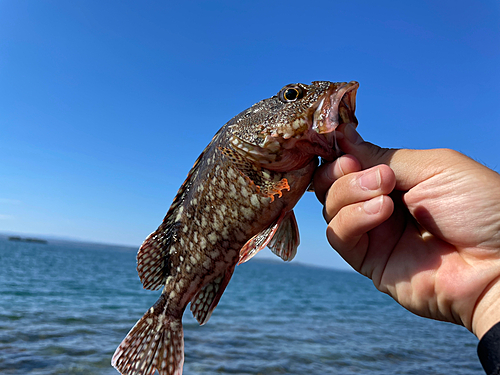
x: 64, y: 308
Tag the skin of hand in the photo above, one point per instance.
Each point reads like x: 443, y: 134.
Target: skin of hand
x: 424, y: 225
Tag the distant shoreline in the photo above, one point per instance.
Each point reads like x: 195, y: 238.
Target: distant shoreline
x: 27, y: 239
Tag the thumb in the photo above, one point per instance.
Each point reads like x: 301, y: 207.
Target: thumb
x: 410, y: 166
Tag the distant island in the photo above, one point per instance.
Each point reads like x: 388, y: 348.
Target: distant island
x: 27, y: 239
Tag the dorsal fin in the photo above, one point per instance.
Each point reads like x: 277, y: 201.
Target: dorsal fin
x: 152, y: 260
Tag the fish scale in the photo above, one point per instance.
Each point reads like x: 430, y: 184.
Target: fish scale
x: 237, y: 199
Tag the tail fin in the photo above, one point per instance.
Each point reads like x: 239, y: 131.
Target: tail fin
x: 155, y: 343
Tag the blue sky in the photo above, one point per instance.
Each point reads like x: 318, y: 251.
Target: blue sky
x: 105, y: 105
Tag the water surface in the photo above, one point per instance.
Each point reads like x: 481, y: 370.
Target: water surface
x: 65, y: 307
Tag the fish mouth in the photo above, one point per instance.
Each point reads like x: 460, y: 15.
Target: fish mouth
x: 336, y: 107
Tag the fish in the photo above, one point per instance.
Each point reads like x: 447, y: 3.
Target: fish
x: 237, y: 199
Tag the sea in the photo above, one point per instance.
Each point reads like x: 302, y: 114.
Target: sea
x: 65, y: 307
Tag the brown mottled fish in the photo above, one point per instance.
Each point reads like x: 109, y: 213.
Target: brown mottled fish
x: 237, y: 199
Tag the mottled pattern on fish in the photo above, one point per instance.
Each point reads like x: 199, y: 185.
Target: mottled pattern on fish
x: 237, y: 199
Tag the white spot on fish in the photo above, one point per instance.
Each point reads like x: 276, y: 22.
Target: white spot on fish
x: 207, y: 263
x: 247, y: 212
x: 255, y: 201
x: 217, y: 224
x: 212, y: 237
x: 203, y: 243
x: 231, y: 174
x: 179, y: 213
x: 232, y: 191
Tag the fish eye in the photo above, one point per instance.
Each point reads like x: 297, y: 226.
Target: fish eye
x: 290, y: 94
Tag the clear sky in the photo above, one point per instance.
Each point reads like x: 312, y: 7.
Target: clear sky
x: 105, y: 105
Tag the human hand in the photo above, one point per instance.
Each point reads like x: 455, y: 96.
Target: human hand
x: 424, y: 225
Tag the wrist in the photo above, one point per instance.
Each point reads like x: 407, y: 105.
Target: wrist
x: 487, y: 310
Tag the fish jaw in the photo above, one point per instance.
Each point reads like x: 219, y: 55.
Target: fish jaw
x: 337, y: 107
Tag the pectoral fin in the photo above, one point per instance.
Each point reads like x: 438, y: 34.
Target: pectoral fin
x: 282, y: 237
x: 286, y: 239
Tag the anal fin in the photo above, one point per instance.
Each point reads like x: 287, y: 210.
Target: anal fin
x: 206, y: 300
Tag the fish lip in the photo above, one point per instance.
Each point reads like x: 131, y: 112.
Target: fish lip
x: 339, y: 109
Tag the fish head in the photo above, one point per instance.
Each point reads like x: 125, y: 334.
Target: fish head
x: 298, y: 123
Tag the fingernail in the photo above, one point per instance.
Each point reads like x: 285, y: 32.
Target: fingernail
x: 352, y: 135
x: 370, y: 180
x: 373, y: 206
